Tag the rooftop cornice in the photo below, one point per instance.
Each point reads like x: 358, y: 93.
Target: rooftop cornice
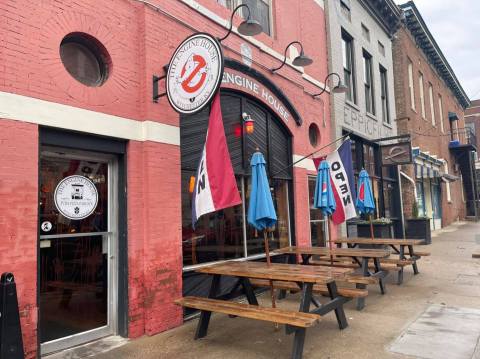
x: 386, y: 13
x: 424, y: 39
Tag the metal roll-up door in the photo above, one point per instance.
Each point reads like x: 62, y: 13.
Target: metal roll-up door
x: 193, y: 131
x: 279, y: 156
x: 257, y: 139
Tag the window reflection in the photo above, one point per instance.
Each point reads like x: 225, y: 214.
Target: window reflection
x: 279, y: 237
x: 317, y: 222
x: 217, y: 235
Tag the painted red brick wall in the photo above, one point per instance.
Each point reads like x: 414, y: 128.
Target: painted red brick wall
x: 424, y: 135
x: 140, y: 41
x: 18, y: 219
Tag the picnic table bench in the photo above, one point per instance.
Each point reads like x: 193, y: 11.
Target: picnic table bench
x: 305, y: 277
x: 399, y: 247
x: 359, y: 258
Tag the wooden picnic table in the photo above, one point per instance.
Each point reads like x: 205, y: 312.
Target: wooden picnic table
x: 305, y: 277
x: 398, y: 245
x: 359, y: 255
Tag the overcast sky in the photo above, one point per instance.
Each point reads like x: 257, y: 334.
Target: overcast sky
x: 455, y: 25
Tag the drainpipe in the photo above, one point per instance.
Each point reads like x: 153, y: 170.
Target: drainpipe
x: 411, y: 180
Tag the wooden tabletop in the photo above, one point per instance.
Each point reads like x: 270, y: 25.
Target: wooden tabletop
x: 340, y: 252
x: 277, y: 271
x: 379, y: 241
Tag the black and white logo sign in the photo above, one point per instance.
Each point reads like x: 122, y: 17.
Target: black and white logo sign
x: 194, y: 73
x: 46, y: 226
x: 76, y: 197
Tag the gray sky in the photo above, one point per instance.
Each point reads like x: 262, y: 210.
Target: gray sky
x: 455, y: 25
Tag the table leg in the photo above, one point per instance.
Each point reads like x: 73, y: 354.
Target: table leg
x: 412, y: 255
x: 365, y: 273
x: 202, y: 326
x: 298, y: 342
x: 249, y: 292
x: 400, y: 273
x: 339, y: 311
x: 381, y: 282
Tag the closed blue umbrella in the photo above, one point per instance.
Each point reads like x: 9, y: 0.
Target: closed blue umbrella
x: 365, y: 203
x: 261, y: 213
x: 323, y: 198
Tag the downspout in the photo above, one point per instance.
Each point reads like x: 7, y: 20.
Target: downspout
x: 411, y: 180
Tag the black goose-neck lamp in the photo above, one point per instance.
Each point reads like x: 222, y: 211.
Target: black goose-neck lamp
x: 248, y: 27
x: 339, y: 88
x: 301, y: 60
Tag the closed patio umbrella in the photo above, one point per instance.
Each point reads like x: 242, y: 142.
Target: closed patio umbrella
x: 323, y: 198
x: 261, y: 212
x: 365, y: 203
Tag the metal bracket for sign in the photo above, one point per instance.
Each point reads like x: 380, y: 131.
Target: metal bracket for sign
x: 155, y: 80
x: 406, y: 136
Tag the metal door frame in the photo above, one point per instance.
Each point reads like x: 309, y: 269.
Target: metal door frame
x: 112, y: 241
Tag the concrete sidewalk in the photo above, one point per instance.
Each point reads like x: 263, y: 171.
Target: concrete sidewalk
x: 448, y: 278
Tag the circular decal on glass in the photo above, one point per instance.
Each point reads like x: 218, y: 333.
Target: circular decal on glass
x: 46, y: 226
x: 194, y: 73
x: 76, y: 197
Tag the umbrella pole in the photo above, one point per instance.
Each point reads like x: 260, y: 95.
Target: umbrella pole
x: 330, y: 240
x: 371, y: 227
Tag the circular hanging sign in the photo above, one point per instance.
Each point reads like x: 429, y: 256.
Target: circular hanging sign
x: 76, y: 197
x: 194, y: 73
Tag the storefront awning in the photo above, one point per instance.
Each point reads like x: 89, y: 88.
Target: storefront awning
x: 448, y: 177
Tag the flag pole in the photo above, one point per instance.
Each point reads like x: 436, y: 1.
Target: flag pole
x: 311, y: 154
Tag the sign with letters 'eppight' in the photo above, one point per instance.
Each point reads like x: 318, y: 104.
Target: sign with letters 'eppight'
x: 194, y: 73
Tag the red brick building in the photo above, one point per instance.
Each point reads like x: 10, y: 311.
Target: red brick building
x: 94, y: 180
x: 430, y: 104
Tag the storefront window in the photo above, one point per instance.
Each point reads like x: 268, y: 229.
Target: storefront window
x: 317, y: 221
x: 225, y: 234
x: 420, y: 199
x: 279, y: 237
x: 365, y: 155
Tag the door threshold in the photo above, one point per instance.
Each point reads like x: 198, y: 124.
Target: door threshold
x: 90, y: 349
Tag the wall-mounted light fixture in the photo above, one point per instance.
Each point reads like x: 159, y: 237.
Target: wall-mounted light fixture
x: 339, y: 88
x: 248, y: 27
x: 300, y: 60
x: 248, y: 123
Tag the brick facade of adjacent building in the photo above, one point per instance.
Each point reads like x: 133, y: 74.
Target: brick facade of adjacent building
x: 426, y: 136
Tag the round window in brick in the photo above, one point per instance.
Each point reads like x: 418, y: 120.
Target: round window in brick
x: 85, y: 58
x: 313, y: 134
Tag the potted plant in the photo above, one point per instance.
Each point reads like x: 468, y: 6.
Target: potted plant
x: 418, y: 227
x: 382, y: 228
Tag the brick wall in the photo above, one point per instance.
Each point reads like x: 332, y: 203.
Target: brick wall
x: 424, y: 134
x: 140, y: 41
x: 18, y: 219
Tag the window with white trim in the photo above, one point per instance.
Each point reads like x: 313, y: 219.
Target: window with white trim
x: 432, y: 106
x: 260, y: 11
x: 411, y: 85
x: 440, y: 111
x: 422, y: 94
x: 348, y: 67
x: 368, y: 83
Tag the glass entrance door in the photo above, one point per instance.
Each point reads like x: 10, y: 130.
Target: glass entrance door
x: 77, y: 222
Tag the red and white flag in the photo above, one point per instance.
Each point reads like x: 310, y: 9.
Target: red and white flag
x: 215, y: 184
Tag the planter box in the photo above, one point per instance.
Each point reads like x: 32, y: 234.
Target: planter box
x: 419, y: 228
x: 379, y: 230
